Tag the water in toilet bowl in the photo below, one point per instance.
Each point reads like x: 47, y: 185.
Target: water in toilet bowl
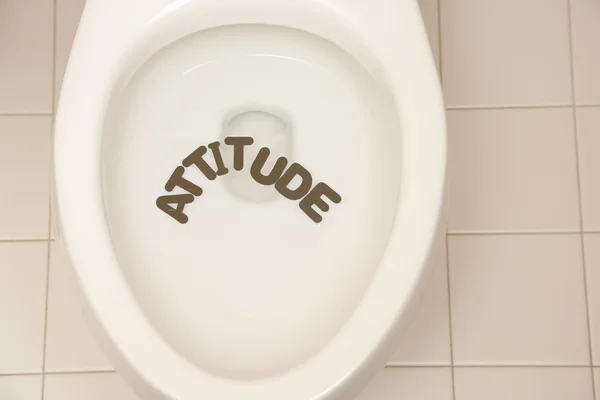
x: 248, y: 274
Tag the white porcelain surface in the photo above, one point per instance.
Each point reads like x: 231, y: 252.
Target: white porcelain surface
x: 332, y: 127
x: 249, y: 259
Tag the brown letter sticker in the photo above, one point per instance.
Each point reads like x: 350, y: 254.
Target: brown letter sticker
x: 164, y: 203
x: 238, y: 143
x: 314, y: 199
x: 173, y: 205
x: 293, y: 171
x: 259, y: 163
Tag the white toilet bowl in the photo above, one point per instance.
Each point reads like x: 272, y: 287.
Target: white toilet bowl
x: 250, y: 191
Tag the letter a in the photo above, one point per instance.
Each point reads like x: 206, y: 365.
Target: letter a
x: 164, y: 203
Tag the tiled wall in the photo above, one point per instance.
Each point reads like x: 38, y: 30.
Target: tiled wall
x: 514, y: 311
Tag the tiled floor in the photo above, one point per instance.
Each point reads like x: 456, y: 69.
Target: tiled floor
x: 514, y: 310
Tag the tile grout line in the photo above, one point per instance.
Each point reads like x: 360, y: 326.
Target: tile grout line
x: 508, y: 107
x: 578, y: 169
x: 450, y: 336
x: 486, y: 366
x: 450, y: 233
x: 65, y: 372
x: 520, y: 107
x: 448, y: 108
x: 447, y: 266
x: 439, y: 38
x: 418, y: 366
x: 49, y: 232
x: 520, y: 233
x: 23, y: 373
x: 390, y: 366
x: 25, y: 114
x: 82, y: 371
x: 24, y: 240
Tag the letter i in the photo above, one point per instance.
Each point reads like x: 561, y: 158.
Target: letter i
x: 221, y: 169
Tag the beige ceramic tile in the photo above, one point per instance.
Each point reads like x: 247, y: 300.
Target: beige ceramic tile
x: 597, y: 382
x: 24, y: 177
x: 410, y: 384
x: 588, y: 138
x: 518, y: 300
x: 427, y: 342
x: 102, y: 386
x: 512, y: 170
x: 592, y: 265
x: 430, y: 13
x: 21, y: 387
x: 68, y: 13
x: 523, y: 384
x: 69, y: 344
x: 585, y: 15
x: 508, y: 52
x: 22, y: 306
x: 26, y: 56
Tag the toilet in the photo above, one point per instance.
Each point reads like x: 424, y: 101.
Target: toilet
x: 250, y: 191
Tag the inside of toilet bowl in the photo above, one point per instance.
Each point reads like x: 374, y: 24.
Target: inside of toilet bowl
x: 249, y: 261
